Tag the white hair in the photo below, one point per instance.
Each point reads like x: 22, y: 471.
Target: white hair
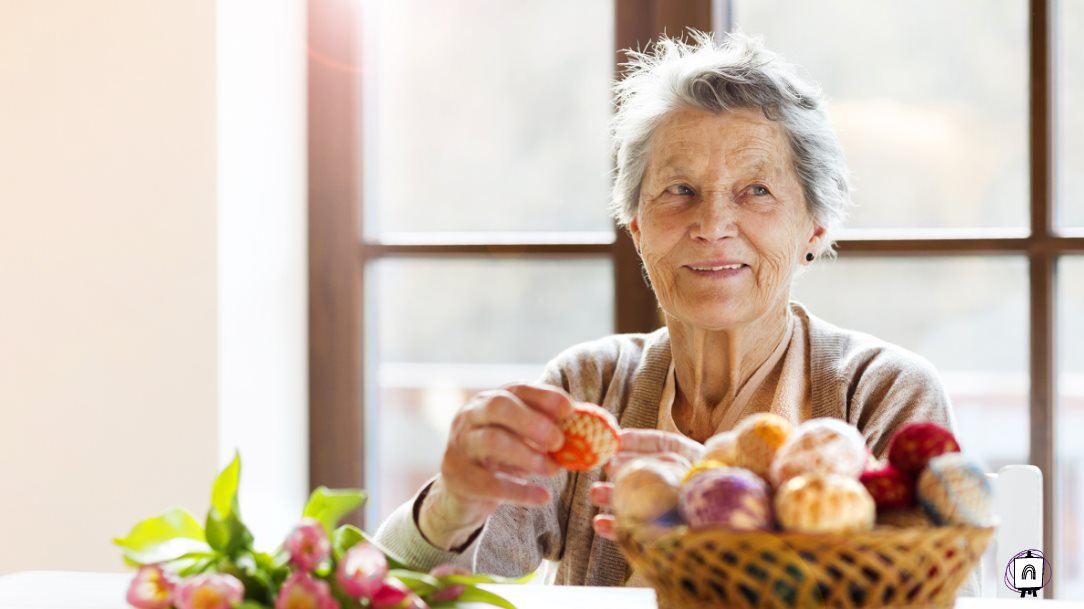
x: 736, y: 73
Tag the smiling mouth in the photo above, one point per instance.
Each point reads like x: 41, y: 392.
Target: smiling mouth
x: 714, y: 269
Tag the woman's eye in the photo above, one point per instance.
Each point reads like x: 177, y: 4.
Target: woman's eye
x: 680, y: 189
x: 759, y: 190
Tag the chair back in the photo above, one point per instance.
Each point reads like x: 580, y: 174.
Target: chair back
x: 1018, y: 503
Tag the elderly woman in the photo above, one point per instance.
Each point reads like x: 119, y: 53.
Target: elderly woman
x: 730, y: 179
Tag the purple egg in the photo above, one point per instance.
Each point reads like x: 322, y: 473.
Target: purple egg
x: 729, y: 497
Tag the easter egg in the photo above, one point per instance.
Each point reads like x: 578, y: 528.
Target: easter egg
x: 730, y: 497
x: 953, y: 489
x: 721, y: 447
x: 591, y: 438
x: 759, y: 436
x: 890, y: 488
x: 824, y: 504
x: 646, y: 490
x: 914, y: 444
x: 820, y: 446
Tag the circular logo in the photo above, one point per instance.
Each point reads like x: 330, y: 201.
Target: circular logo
x: 1027, y: 572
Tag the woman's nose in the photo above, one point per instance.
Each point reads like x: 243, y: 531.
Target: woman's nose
x: 716, y: 218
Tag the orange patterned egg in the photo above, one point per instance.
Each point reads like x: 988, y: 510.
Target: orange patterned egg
x: 591, y: 438
x: 759, y: 436
x: 824, y: 504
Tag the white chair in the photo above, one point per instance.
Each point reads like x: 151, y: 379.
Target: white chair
x: 1018, y: 503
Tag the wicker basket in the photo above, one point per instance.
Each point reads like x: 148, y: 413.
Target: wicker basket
x: 889, y: 567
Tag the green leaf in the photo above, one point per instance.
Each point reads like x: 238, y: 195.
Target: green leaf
x: 344, y: 538
x: 482, y: 578
x: 251, y: 605
x: 162, y: 538
x: 478, y: 595
x: 329, y: 506
x: 348, y: 535
x: 421, y: 583
x: 223, y: 527
x: 172, y: 524
x: 167, y: 551
x: 224, y: 491
x: 228, y: 535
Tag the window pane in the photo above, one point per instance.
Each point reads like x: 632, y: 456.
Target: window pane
x: 1070, y: 120
x: 1069, y: 574
x: 486, y: 116
x: 968, y: 316
x: 929, y: 98
x: 439, y: 331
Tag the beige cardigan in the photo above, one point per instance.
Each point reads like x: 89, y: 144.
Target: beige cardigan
x: 872, y: 384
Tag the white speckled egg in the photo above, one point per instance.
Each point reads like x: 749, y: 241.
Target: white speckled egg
x: 820, y: 446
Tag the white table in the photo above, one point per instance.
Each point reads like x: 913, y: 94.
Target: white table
x: 67, y: 590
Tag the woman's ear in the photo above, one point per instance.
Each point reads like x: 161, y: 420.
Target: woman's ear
x: 634, y: 232
x: 815, y: 239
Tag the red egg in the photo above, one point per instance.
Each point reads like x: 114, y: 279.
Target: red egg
x: 914, y: 444
x: 890, y: 488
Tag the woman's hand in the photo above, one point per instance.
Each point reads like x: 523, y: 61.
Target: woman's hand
x: 497, y: 441
x: 637, y: 443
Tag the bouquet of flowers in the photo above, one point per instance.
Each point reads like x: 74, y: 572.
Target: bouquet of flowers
x: 321, y: 565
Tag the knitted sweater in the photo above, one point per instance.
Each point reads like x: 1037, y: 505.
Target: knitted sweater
x: 867, y: 382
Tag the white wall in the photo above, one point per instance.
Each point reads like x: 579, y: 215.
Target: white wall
x: 139, y: 228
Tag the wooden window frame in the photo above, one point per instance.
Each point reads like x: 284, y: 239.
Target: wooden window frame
x: 338, y: 257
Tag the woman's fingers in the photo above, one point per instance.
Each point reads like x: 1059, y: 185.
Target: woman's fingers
x: 499, y: 449
x: 651, y: 441
x: 507, y: 410
x: 604, y: 526
x: 602, y: 494
x: 549, y: 400
x: 499, y: 440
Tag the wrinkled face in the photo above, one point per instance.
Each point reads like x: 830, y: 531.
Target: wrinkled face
x: 722, y: 223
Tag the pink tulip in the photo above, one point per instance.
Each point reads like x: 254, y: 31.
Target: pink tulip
x: 449, y: 592
x: 302, y: 591
x: 391, y: 595
x: 362, y: 570
x: 308, y: 545
x: 151, y: 588
x: 209, y: 591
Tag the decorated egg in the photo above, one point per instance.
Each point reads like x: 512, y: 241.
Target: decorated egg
x: 955, y: 490
x: 591, y: 438
x: 820, y: 446
x: 730, y: 497
x: 824, y: 504
x: 759, y: 436
x: 890, y: 488
x: 914, y: 444
x: 646, y: 490
x: 721, y: 447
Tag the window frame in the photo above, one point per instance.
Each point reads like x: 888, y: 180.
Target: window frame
x: 339, y: 256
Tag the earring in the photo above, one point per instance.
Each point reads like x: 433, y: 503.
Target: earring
x: 809, y: 256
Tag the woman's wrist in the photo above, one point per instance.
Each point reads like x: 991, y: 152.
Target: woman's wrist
x: 447, y: 522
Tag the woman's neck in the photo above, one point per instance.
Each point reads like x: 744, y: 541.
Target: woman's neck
x: 712, y: 366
